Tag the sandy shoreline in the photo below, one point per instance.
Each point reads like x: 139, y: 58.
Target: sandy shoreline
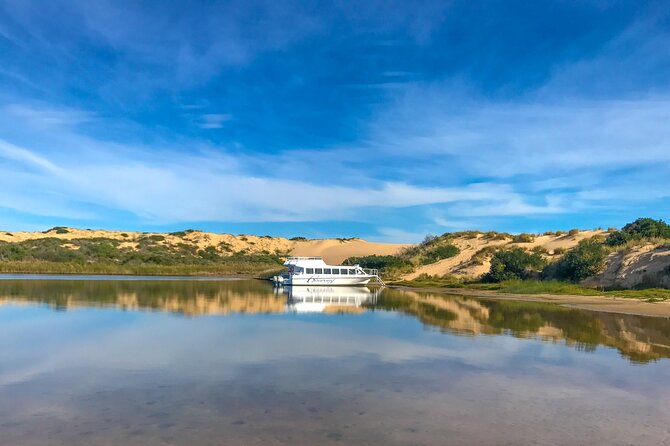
x: 592, y: 303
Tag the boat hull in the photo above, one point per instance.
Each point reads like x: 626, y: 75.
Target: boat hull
x: 313, y: 280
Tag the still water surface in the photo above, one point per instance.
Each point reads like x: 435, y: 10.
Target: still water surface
x: 146, y: 362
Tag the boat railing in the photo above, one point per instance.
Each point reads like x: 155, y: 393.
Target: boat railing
x: 304, y: 258
x: 375, y: 273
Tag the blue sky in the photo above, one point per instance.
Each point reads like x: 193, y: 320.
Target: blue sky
x: 380, y: 119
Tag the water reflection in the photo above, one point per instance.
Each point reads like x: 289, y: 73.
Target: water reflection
x: 329, y: 299
x: 126, y: 371
x: 640, y: 339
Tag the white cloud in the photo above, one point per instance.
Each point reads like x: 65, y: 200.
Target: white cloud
x: 183, y: 188
x: 214, y: 120
x: 42, y: 116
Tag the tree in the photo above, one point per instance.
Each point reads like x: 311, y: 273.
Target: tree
x: 514, y: 264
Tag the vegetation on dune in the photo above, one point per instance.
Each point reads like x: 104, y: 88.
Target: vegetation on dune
x: 642, y: 228
x: 390, y: 266
x: 433, y: 249
x: 523, y: 238
x: 514, y: 263
x: 105, y: 255
x: 557, y: 271
x: 585, y: 260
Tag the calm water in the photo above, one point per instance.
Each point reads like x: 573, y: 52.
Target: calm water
x: 235, y: 363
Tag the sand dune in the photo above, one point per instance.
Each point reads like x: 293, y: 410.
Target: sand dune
x: 464, y: 265
x: 645, y: 265
x: 333, y: 250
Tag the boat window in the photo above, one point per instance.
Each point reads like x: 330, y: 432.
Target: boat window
x: 352, y: 271
x: 336, y: 271
x: 310, y: 270
x: 318, y: 271
x: 326, y: 270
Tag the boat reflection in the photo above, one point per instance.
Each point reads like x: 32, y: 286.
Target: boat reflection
x: 320, y: 299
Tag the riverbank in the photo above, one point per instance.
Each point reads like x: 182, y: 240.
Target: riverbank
x: 228, y: 269
x: 595, y: 302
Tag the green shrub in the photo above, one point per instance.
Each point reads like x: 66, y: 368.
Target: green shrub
x: 225, y: 247
x: 439, y: 252
x: 637, y: 230
x: 573, y: 232
x: 57, y: 230
x: 483, y: 254
x: 540, y: 250
x: 523, y: 238
x: 514, y: 264
x: 377, y: 262
x: 467, y: 234
x: 298, y: 239
x: 618, y: 238
x: 584, y: 260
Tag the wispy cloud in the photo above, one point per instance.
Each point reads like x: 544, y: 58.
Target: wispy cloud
x: 214, y: 120
x: 196, y: 188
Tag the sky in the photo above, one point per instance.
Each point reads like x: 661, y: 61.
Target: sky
x: 386, y: 120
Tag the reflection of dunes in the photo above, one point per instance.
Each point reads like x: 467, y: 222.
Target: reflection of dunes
x: 189, y: 298
x: 463, y: 316
x: 200, y: 304
x: 638, y: 338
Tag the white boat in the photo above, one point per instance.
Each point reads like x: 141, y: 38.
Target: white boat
x: 314, y: 271
x: 324, y: 299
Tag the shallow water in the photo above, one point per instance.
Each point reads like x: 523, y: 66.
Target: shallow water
x: 121, y: 362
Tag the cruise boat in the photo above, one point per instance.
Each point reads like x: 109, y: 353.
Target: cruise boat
x: 314, y: 271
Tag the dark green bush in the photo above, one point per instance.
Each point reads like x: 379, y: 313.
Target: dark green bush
x: 439, y: 252
x: 57, y: 230
x: 639, y: 229
x: 618, y: 238
x: 378, y: 262
x: 514, y: 264
x: 572, y: 232
x: 584, y: 260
